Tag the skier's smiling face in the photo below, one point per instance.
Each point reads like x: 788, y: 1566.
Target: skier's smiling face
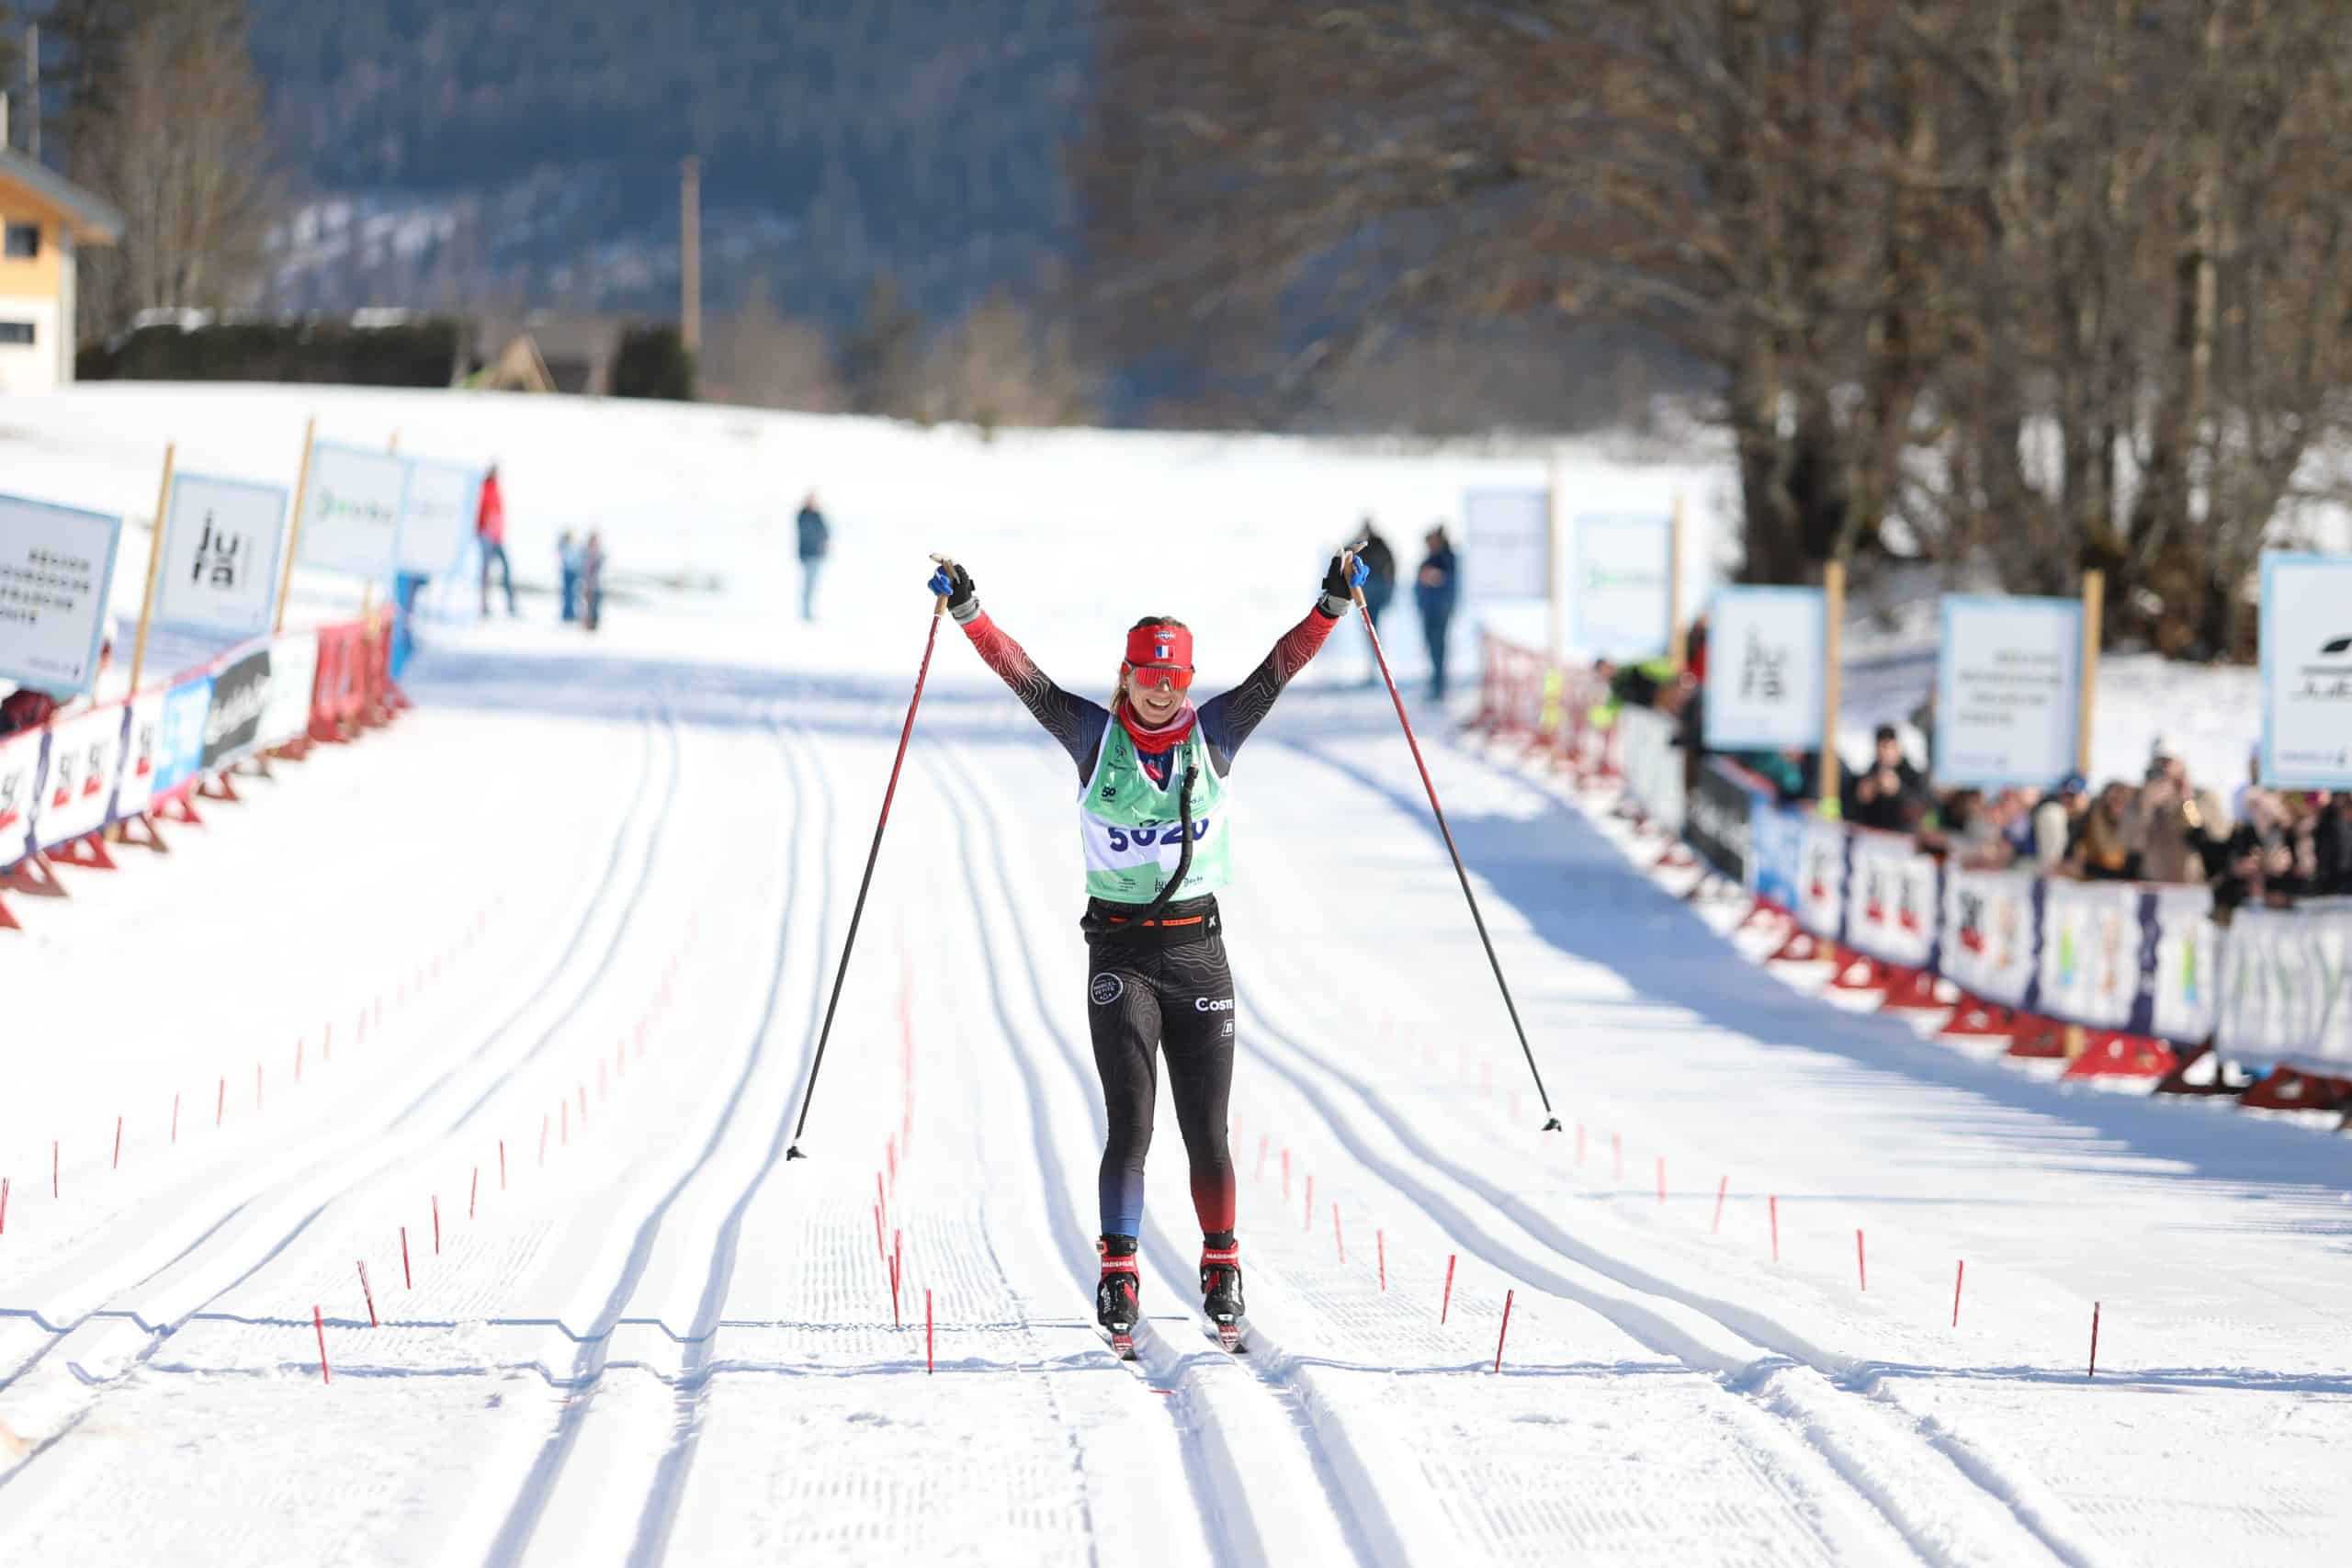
x: 1154, y: 697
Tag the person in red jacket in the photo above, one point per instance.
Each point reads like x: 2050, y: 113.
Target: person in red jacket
x: 490, y: 525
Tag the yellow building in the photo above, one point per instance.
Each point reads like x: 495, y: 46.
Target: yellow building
x: 43, y: 220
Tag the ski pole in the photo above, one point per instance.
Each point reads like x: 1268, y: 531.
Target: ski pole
x: 1552, y: 1121
x: 857, y: 911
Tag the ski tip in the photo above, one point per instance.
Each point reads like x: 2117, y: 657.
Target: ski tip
x: 1123, y: 1347
x: 1229, y: 1336
x: 1553, y: 1125
x: 792, y: 1153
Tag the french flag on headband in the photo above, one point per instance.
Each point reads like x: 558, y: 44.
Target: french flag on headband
x: 1160, y: 644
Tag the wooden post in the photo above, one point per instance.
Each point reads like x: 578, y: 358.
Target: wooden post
x: 2094, y: 616
x: 393, y: 446
x: 294, y: 534
x: 155, y: 564
x: 1833, y: 641
x: 1678, y: 641
x: 690, y: 253
x: 1552, y: 559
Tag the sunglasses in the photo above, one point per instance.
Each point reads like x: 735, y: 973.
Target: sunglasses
x: 1168, y: 677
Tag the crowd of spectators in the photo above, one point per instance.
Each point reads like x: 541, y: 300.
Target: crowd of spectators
x: 2261, y: 846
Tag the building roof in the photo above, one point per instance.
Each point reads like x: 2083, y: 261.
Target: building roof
x: 94, y: 221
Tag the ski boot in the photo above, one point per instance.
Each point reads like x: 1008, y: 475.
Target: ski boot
x: 1221, y: 1287
x: 1118, y: 1297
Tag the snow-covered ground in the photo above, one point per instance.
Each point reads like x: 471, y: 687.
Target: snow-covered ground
x: 530, y: 985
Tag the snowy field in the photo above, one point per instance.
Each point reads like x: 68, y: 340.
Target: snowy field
x: 528, y: 987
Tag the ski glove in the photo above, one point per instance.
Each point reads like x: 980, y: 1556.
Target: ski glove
x: 963, y: 600
x: 1344, y: 576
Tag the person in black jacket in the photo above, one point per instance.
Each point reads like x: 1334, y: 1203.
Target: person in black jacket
x: 1380, y: 584
x: 1892, y: 796
x: 1436, y: 591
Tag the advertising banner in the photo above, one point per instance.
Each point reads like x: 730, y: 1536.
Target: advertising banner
x: 2182, y: 967
x: 1620, y: 594
x: 2089, y: 971
x: 1986, y: 946
x: 221, y: 544
x: 2009, y: 677
x: 2287, y: 991
x: 1506, y: 544
x: 232, y: 721
x: 351, y: 513
x: 56, y: 569
x: 143, y: 755
x: 1767, y: 651
x: 20, y: 779
x: 1717, y: 825
x: 437, y: 517
x: 1820, y: 890
x: 84, y: 751
x: 179, y: 748
x: 1890, y: 900
x: 1652, y: 765
x: 293, y: 669
x: 1776, y: 845
x: 2307, y: 672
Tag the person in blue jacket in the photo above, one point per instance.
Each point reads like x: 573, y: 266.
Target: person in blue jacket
x: 1436, y: 590
x: 816, y: 537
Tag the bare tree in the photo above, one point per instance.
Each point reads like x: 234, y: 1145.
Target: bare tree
x: 764, y: 360
x: 998, y: 367
x: 177, y: 141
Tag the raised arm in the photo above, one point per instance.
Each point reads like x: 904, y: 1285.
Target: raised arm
x: 1072, y: 720
x: 1228, y: 718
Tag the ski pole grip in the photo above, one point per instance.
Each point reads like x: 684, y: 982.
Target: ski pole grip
x: 945, y: 563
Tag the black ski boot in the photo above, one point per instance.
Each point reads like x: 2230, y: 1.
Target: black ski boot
x: 1118, y: 1297
x: 1221, y: 1287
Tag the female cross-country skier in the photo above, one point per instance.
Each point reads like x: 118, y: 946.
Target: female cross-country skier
x: 1150, y: 767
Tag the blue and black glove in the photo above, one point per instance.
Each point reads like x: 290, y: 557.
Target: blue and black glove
x: 963, y: 601
x: 1345, y: 575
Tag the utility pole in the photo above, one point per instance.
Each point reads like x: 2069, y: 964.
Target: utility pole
x: 32, y: 88
x: 690, y: 253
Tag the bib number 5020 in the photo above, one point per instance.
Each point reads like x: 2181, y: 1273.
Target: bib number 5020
x: 1124, y: 839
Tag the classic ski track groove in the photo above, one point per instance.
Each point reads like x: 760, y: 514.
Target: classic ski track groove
x: 1756, y: 1382
x: 1358, y: 1514
x: 369, y: 1152
x: 590, y: 1361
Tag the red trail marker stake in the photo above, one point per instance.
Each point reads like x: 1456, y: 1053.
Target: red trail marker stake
x: 1306, y: 1223
x: 1861, y: 1264
x: 1958, y: 1276
x: 176, y: 1117
x: 2093, y: 1372
x: 890, y: 1159
x: 407, y: 1281
x: 1723, y: 1185
x: 1661, y: 1179
x: 319, y: 1321
x: 501, y: 1165
x: 1772, y: 1206
x: 117, y: 1142
x: 220, y: 1102
x: 436, y: 1225
x: 4, y: 1205
x: 369, y: 1293
x: 543, y: 1138
x: 1285, y: 1173
x: 297, y: 1061
x: 879, y: 1251
x: 1579, y: 1143
x: 930, y: 1363
x: 897, y: 1242
x: 1446, y: 1304
x: 1505, y: 1333
x: 1337, y: 1239
x: 1380, y: 1242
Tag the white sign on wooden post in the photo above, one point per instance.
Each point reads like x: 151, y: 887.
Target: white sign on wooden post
x: 56, y: 571
x: 2306, y: 637
x: 2008, y: 690
x: 1766, y: 653
x: 351, y: 516
x: 439, y: 515
x: 1506, y: 544
x: 1625, y: 603
x: 221, y: 539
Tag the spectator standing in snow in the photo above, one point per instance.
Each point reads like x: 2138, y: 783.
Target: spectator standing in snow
x: 1436, y: 590
x: 490, y: 526
x: 816, y: 537
x: 1380, y: 583
x: 1891, y: 797
x: 591, y: 581
x: 2057, y: 822
x: 566, y: 555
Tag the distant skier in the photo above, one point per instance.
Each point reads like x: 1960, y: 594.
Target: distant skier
x: 1152, y: 825
x: 815, y: 538
x: 1435, y: 594
x: 490, y: 526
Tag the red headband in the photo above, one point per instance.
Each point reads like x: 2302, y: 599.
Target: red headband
x: 1160, y: 644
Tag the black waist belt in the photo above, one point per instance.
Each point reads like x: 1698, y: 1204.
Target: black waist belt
x: 1194, y: 920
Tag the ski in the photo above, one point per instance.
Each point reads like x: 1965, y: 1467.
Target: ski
x: 1123, y: 1343
x: 1228, y: 1335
